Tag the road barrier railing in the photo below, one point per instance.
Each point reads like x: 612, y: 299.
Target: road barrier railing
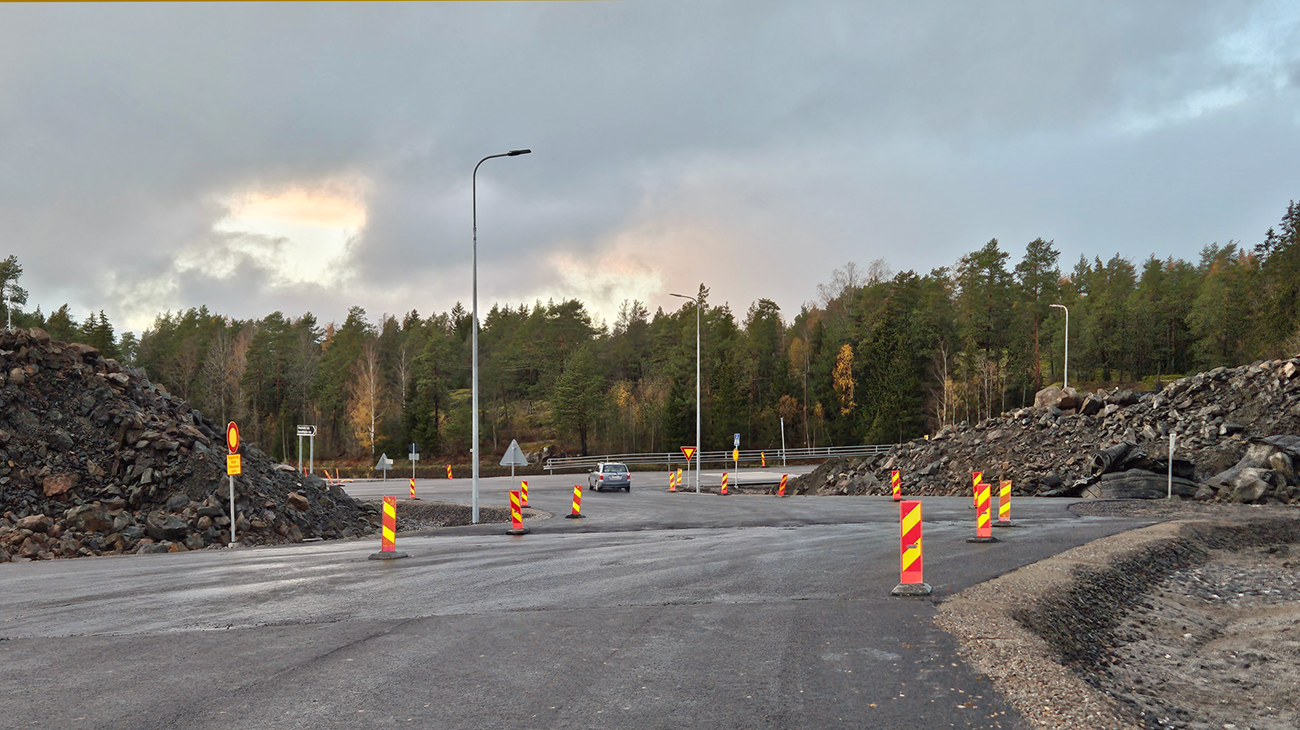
x: 722, y: 458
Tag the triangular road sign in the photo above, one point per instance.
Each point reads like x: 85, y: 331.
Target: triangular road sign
x: 385, y: 463
x: 689, y: 451
x: 514, y: 455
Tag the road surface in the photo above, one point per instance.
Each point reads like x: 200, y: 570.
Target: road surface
x: 658, y: 611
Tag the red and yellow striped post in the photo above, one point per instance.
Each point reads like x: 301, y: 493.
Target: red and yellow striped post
x: 762, y: 455
x: 672, y: 481
x: 780, y: 491
x: 516, y: 515
x: 449, y: 471
x: 912, y: 582
x: 577, y: 504
x: 983, y: 518
x: 412, y: 487
x: 976, y: 479
x: 1004, y: 504
x: 724, y: 483
x: 523, y: 493
x: 679, y: 476
x: 388, y: 538
x: 896, y: 484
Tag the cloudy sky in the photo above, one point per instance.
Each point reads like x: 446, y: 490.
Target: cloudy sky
x: 302, y: 157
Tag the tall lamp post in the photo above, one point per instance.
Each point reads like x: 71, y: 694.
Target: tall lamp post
x: 1065, y: 378
x: 474, y: 456
x: 698, y: 453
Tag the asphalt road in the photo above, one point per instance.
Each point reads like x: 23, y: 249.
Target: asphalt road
x: 658, y: 611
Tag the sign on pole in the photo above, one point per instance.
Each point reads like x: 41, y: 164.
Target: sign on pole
x: 233, y: 467
x: 514, y: 457
x: 385, y: 465
x: 688, y: 451
x: 306, y: 430
x: 735, y: 441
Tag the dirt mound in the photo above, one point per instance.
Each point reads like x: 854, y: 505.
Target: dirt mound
x: 1218, y: 416
x: 95, y: 459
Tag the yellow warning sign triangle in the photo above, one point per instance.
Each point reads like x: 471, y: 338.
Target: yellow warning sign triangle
x: 689, y: 451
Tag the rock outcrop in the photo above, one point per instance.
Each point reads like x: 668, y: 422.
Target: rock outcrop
x: 1227, y: 422
x: 95, y: 459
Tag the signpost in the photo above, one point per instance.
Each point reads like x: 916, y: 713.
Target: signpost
x: 688, y: 452
x: 414, y: 456
x: 735, y: 455
x: 233, y: 468
x: 310, y: 433
x: 384, y: 466
x: 514, y: 457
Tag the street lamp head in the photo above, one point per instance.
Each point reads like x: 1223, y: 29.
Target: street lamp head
x: 516, y: 153
x: 1058, y: 306
x: 683, y: 296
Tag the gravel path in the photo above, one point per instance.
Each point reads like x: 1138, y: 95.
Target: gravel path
x: 1160, y: 627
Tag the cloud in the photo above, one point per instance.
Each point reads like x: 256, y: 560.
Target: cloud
x: 310, y: 157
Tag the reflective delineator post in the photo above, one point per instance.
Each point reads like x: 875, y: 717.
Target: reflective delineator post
x: 388, y: 539
x: 896, y: 484
x: 912, y: 582
x: 523, y: 493
x: 976, y: 479
x: 577, y: 504
x: 724, y: 483
x: 412, y: 487
x: 672, y: 482
x: 679, y: 476
x: 516, y: 515
x: 762, y: 455
x: 983, y: 516
x: 780, y: 491
x: 1004, y: 504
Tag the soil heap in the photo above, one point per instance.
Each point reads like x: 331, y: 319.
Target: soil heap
x: 1235, y: 429
x: 95, y: 459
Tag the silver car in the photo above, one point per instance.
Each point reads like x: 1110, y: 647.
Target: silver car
x: 610, y: 476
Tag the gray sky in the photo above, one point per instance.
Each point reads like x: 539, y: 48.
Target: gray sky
x: 309, y: 157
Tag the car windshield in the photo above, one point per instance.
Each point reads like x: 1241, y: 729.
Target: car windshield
x: 615, y: 469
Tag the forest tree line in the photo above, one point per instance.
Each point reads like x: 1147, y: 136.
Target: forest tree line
x: 879, y: 357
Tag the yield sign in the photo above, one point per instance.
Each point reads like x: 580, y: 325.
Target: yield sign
x: 689, y: 451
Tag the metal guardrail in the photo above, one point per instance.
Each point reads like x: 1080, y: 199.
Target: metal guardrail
x: 747, y: 456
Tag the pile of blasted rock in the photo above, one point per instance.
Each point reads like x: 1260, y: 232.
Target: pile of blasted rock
x: 1231, y: 426
x: 95, y: 459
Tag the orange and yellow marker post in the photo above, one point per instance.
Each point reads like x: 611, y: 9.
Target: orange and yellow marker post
x: 516, y: 515
x: 449, y: 471
x: 762, y: 455
x: 679, y: 476
x: 983, y: 516
x: 780, y: 491
x: 577, y: 504
x: 976, y: 479
x: 1004, y: 504
x: 724, y: 484
x: 523, y: 493
x: 412, y: 487
x: 912, y: 582
x: 388, y: 538
x: 672, y: 481
x: 896, y: 484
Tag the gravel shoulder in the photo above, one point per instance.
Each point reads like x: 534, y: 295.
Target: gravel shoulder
x: 1187, y: 623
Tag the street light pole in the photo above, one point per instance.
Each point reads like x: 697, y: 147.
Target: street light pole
x: 474, y: 457
x: 1065, y: 378
x: 698, y: 453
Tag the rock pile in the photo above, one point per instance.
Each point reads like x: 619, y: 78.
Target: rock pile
x: 1234, y: 442
x: 95, y: 459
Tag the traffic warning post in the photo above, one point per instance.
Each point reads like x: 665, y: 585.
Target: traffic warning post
x: 449, y: 471
x: 577, y: 504
x: 976, y: 479
x: 679, y: 476
x: 912, y: 582
x: 523, y: 493
x: 516, y: 515
x: 780, y: 491
x: 233, y: 468
x: 983, y: 526
x: 388, y: 540
x: 762, y: 455
x: 413, y: 488
x: 896, y: 484
x: 1004, y: 504
x: 672, y: 481
x: 724, y: 484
